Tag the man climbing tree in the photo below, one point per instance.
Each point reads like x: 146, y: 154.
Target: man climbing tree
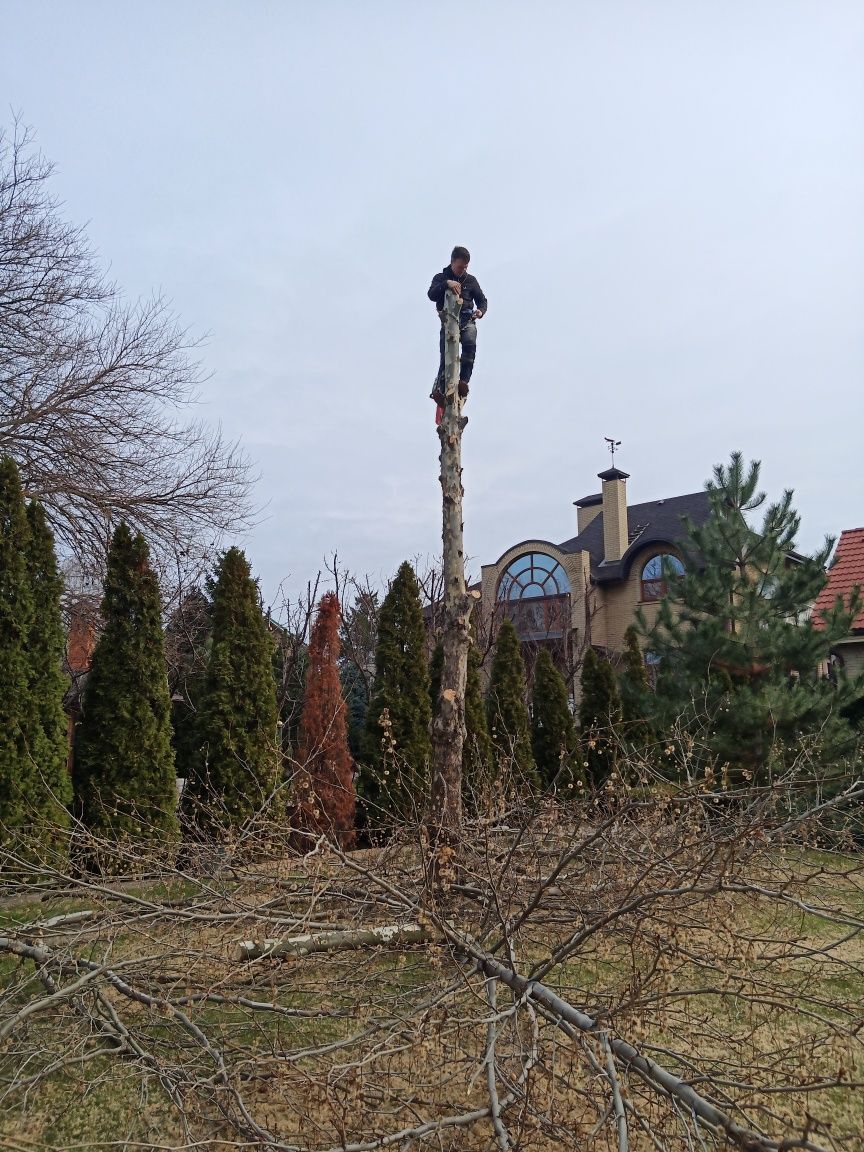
x: 474, y: 307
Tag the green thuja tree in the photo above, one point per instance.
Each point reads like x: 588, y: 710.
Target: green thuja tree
x: 290, y: 667
x: 187, y: 641
x: 477, y: 757
x: 506, y: 710
x: 553, y: 730
x: 356, y: 695
x: 599, y: 716
x: 239, y: 766
x: 18, y: 724
x: 398, y: 745
x: 356, y: 664
x: 45, y: 650
x: 739, y: 652
x: 635, y: 691
x: 124, y: 762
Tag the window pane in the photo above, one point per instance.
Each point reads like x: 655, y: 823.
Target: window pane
x: 545, y: 563
x: 532, y: 589
x: 653, y: 589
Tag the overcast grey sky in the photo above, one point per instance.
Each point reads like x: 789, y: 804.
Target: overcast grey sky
x: 664, y: 202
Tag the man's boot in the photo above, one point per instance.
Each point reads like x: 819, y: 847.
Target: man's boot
x: 437, y: 393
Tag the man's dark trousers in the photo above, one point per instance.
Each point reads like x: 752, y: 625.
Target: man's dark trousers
x: 468, y: 340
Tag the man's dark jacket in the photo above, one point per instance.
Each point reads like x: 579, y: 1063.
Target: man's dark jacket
x: 472, y: 293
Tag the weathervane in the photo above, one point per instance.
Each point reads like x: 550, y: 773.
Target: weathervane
x: 612, y: 444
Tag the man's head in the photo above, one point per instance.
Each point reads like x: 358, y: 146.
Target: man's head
x: 459, y: 259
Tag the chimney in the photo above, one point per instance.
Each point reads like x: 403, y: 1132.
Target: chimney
x: 615, y: 528
x: 587, y: 509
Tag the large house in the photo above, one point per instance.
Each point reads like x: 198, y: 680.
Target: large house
x: 587, y: 589
x: 845, y: 574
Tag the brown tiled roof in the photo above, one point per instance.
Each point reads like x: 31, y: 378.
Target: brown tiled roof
x: 846, y: 571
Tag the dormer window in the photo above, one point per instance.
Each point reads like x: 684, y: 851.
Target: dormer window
x: 653, y: 578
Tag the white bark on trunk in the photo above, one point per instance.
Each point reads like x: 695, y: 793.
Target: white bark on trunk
x: 448, y: 728
x: 394, y: 934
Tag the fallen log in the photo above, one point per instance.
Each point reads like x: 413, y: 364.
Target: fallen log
x: 395, y: 934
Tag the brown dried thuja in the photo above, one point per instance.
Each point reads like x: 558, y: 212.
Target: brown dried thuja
x: 325, y: 787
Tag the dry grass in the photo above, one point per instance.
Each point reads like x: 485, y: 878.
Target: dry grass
x: 755, y: 996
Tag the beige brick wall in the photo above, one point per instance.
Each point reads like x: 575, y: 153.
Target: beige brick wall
x: 853, y: 657
x: 584, y: 516
x: 622, y: 602
x: 615, y: 524
x: 605, y: 612
x: 601, y: 613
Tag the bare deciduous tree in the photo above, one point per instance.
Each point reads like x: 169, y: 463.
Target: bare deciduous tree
x: 95, y: 393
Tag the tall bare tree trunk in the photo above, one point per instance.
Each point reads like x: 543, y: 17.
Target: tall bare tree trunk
x: 448, y: 728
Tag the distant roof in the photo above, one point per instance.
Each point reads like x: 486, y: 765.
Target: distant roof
x: 846, y: 571
x: 656, y: 522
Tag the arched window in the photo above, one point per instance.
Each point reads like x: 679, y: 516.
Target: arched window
x: 534, y: 574
x: 534, y: 594
x: 653, y: 579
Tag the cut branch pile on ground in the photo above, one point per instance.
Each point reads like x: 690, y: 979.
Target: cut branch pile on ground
x: 652, y: 978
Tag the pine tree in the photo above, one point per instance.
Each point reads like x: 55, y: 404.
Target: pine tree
x: 45, y: 650
x: 124, y: 763
x: 238, y: 716
x: 734, y: 637
x: 477, y: 758
x: 599, y: 715
x: 553, y: 731
x: 635, y: 691
x: 507, y: 713
x: 398, y: 743
x: 329, y: 802
x: 18, y: 725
